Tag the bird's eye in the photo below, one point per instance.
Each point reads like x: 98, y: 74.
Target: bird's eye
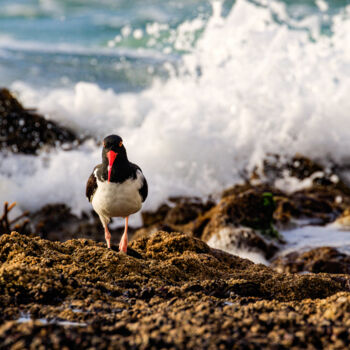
x: 120, y: 143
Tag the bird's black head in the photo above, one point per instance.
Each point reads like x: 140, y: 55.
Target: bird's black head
x: 113, y: 143
x: 113, y: 152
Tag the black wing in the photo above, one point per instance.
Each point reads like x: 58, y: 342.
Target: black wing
x: 144, y: 188
x: 91, y: 186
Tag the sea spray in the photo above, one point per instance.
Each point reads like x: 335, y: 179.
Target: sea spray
x: 251, y: 86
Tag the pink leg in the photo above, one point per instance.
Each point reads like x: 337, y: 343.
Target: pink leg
x: 123, y: 245
x: 107, y: 237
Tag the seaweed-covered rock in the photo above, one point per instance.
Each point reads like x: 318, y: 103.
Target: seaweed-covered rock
x: 318, y: 203
x: 324, y: 259
x: 24, y: 131
x: 312, y: 191
x: 175, y: 292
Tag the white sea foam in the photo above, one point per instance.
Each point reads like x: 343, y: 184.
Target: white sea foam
x: 297, y: 240
x: 33, y: 181
x: 223, y: 240
x: 250, y: 87
x: 308, y: 237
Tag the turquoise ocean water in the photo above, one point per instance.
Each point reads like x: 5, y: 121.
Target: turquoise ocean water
x: 118, y: 44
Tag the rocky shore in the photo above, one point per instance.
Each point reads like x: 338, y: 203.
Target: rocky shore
x: 60, y: 287
x: 170, y: 291
x: 25, y: 131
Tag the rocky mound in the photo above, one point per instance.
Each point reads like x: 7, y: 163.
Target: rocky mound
x: 33, y: 269
x: 25, y: 131
x: 171, y: 290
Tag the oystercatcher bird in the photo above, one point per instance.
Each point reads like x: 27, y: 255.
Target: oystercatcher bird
x: 116, y: 188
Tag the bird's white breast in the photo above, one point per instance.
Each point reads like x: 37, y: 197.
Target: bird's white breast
x: 118, y: 199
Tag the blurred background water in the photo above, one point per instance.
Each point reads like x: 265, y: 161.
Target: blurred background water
x: 117, y: 44
x: 201, y: 91
x: 123, y: 44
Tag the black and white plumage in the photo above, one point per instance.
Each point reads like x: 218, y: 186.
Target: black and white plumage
x: 117, y: 187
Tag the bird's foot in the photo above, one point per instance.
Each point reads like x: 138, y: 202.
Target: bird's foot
x: 123, y: 246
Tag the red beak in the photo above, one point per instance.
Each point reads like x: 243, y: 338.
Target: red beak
x: 111, y: 155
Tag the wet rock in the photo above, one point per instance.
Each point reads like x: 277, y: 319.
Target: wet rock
x: 258, y: 188
x: 52, y: 219
x: 25, y: 131
x: 309, y: 205
x: 299, y: 166
x: 343, y: 221
x: 56, y: 222
x: 317, y: 207
x: 179, y: 212
x: 317, y: 204
x: 324, y: 259
x: 285, y: 212
x: 315, y: 192
x: 249, y: 208
x: 231, y: 238
x: 186, y: 210
x: 243, y: 206
x: 155, y: 217
x: 182, y: 214
x: 258, y: 206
